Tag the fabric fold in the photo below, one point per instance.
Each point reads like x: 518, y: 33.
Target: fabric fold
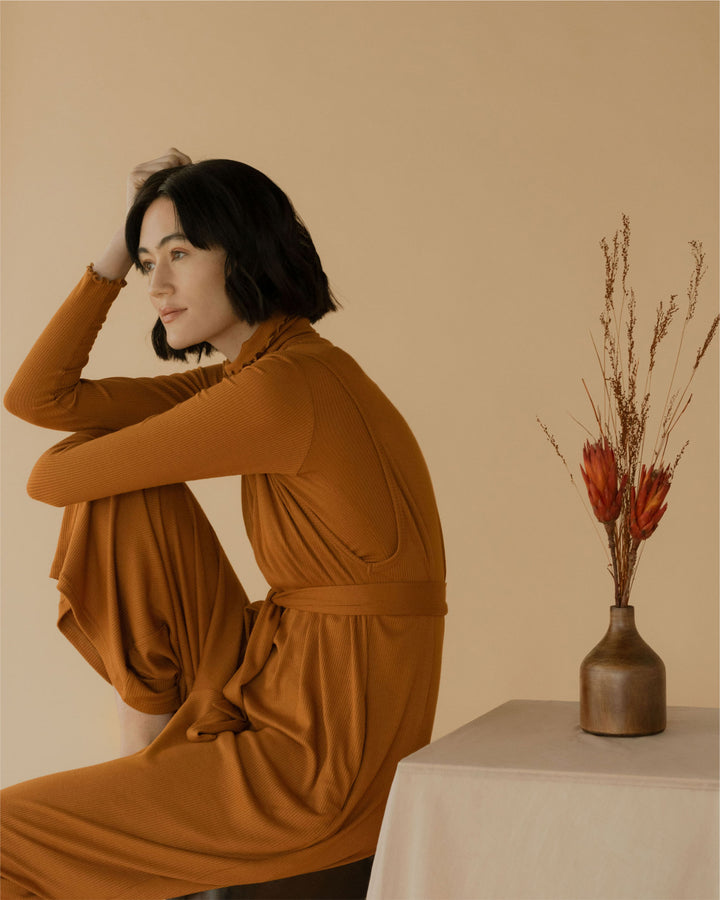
x: 215, y: 714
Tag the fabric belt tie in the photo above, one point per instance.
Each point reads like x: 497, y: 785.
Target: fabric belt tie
x: 402, y: 598
x: 221, y: 713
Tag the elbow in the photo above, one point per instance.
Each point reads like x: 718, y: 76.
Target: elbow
x: 56, y: 477
x: 47, y: 497
x: 39, y: 409
x: 13, y: 403
x: 43, y: 487
x: 21, y: 406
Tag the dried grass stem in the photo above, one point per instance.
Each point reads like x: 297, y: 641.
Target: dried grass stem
x: 623, y: 416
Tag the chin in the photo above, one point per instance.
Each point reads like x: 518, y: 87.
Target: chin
x: 194, y: 346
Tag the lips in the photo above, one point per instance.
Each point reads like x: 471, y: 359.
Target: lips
x: 169, y: 314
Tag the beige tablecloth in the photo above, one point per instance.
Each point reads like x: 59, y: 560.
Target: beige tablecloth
x: 521, y: 803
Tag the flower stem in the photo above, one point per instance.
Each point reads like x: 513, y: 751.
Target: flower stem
x: 629, y: 575
x: 610, y: 528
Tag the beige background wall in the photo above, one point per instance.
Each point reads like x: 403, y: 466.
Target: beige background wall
x: 457, y: 165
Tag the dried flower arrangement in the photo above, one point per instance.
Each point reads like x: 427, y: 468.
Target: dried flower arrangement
x: 626, y: 495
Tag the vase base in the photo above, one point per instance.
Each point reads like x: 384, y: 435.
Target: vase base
x: 622, y: 734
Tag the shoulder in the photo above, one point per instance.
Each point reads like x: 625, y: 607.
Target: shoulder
x: 276, y: 383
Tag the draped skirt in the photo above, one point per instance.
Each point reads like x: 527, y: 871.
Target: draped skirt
x: 289, y: 714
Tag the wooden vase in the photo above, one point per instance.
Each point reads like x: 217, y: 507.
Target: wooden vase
x: 622, y: 682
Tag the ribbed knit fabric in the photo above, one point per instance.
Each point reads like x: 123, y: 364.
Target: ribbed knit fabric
x: 292, y: 712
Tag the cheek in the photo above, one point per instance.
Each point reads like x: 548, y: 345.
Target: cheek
x: 224, y: 302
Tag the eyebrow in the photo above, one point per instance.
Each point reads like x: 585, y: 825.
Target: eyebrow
x: 168, y: 237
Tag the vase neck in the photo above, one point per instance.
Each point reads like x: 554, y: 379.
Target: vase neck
x: 622, y: 617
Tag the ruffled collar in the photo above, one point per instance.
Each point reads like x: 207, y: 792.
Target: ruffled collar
x: 268, y: 336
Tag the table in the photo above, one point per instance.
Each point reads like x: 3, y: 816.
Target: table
x: 521, y: 803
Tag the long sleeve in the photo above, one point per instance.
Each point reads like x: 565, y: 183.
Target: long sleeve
x: 259, y: 420
x: 48, y: 390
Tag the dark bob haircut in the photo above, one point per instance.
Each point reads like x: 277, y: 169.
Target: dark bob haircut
x: 271, y: 264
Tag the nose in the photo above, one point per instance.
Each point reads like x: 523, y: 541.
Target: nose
x: 160, y: 282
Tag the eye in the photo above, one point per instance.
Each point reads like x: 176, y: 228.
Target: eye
x: 146, y: 266
x: 178, y: 254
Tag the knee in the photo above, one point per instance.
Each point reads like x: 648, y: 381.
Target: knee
x: 13, y: 838
x: 10, y: 802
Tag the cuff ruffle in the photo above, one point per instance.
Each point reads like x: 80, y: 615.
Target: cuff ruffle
x: 100, y: 279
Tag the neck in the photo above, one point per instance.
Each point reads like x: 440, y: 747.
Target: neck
x: 231, y: 344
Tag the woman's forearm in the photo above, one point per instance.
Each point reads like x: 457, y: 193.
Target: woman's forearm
x: 48, y: 389
x: 115, y: 262
x: 45, y: 388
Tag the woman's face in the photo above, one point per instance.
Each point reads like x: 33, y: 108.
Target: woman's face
x: 187, y: 285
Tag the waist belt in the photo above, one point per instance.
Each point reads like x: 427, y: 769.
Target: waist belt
x: 402, y: 598
x: 222, y: 710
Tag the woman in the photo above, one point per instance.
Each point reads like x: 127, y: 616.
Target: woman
x: 262, y: 738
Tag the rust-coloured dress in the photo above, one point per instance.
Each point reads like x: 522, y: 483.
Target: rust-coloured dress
x: 292, y: 712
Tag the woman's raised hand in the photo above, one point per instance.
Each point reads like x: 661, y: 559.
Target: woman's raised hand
x: 140, y: 174
x: 115, y: 260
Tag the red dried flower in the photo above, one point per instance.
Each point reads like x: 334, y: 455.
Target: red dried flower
x: 601, y: 480
x: 646, y: 507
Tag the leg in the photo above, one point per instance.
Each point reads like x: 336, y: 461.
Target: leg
x: 137, y: 729
x: 151, y: 601
x: 148, y: 596
x: 172, y: 820
x: 126, y: 829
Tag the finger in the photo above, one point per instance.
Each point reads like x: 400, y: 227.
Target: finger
x: 168, y: 160
x: 140, y: 173
x: 180, y: 158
